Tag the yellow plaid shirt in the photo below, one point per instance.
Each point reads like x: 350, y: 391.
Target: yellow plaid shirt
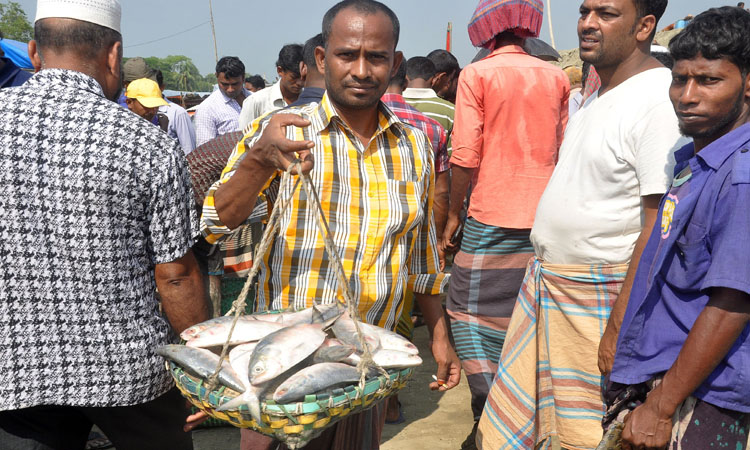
x: 378, y: 203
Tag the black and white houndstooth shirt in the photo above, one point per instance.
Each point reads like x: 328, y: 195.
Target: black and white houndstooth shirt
x: 92, y: 197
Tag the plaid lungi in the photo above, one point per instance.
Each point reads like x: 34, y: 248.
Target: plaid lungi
x: 486, y: 276
x: 548, y: 382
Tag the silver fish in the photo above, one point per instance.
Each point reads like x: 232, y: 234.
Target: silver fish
x: 244, y: 331
x: 191, y: 332
x: 390, y: 359
x: 239, y: 358
x: 332, y: 352
x: 346, y: 331
x: 315, y: 378
x: 202, y: 363
x: 390, y: 340
x: 282, y: 350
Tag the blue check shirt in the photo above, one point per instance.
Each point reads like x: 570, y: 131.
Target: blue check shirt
x: 701, y: 241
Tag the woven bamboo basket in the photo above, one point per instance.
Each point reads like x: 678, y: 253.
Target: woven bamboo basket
x: 297, y: 423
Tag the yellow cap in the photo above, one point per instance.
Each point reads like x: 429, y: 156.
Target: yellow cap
x: 147, y: 92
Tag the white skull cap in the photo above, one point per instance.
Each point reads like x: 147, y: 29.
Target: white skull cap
x: 107, y: 13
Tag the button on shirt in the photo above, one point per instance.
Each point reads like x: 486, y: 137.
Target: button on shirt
x: 434, y: 131
x: 93, y: 198
x: 217, y: 115
x: 700, y: 242
x: 377, y: 199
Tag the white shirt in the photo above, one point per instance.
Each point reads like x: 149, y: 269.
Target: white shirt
x: 262, y: 102
x: 217, y: 115
x: 180, y: 126
x: 617, y: 148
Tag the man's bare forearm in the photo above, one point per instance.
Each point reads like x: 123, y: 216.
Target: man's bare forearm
x: 460, y: 180
x: 433, y: 315
x: 440, y: 205
x: 712, y: 336
x: 182, y: 293
x: 235, y: 199
x: 651, y: 210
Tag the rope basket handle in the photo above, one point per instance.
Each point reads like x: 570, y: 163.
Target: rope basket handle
x: 288, y: 186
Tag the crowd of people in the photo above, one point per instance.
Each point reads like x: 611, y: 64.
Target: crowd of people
x: 585, y: 229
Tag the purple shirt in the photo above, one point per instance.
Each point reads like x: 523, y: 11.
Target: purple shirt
x: 701, y: 240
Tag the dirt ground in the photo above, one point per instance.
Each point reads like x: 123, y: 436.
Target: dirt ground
x: 434, y: 421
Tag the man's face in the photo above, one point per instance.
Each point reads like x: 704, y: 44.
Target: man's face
x: 607, y: 31
x: 290, y: 81
x: 710, y: 96
x: 231, y: 87
x: 249, y: 86
x: 136, y: 106
x: 443, y: 83
x: 359, y: 59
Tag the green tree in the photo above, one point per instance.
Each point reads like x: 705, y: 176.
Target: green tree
x: 13, y: 22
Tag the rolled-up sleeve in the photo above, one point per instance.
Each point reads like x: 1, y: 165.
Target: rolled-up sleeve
x: 468, y: 127
x: 424, y: 270
x: 212, y: 227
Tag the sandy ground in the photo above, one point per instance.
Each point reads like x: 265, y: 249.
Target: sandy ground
x: 434, y: 421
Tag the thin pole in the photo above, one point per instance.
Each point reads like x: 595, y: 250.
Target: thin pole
x: 213, y: 30
x: 549, y: 21
x: 449, y: 37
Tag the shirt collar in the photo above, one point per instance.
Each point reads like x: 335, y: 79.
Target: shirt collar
x: 325, y: 113
x: 506, y: 49
x: 419, y: 93
x: 228, y: 99
x: 67, y: 78
x: 716, y: 153
x: 393, y: 98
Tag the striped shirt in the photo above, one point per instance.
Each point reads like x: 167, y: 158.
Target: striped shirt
x: 217, y: 115
x: 434, y: 107
x: 432, y: 128
x: 377, y: 199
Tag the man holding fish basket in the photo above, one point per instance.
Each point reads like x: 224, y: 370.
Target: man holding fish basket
x: 372, y: 180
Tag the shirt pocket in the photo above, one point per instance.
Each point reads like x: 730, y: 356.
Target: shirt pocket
x: 404, y: 205
x: 686, y: 268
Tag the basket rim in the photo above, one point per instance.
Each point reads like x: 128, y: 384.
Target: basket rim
x: 311, y: 404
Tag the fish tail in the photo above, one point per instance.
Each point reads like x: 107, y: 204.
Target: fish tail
x: 250, y: 399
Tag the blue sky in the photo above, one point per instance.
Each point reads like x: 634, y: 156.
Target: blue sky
x: 255, y: 30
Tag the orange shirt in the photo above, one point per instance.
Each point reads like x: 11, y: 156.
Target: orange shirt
x: 511, y: 113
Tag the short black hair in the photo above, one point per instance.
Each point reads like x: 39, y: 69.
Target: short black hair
x: 257, y: 81
x: 420, y: 67
x: 85, y: 38
x: 363, y: 6
x: 290, y: 56
x: 654, y: 8
x: 665, y: 58
x: 231, y: 67
x: 719, y: 33
x: 444, y: 61
x: 399, y: 78
x: 308, y: 51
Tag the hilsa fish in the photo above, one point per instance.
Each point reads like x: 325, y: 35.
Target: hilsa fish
x: 201, y: 363
x: 282, y: 350
x: 315, y: 378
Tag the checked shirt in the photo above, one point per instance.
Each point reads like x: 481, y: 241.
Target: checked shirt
x: 378, y: 202
x: 431, y: 127
x: 93, y: 197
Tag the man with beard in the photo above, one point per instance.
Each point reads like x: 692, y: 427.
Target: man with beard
x: 375, y: 179
x: 592, y: 221
x: 683, y: 352
x: 97, y: 215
